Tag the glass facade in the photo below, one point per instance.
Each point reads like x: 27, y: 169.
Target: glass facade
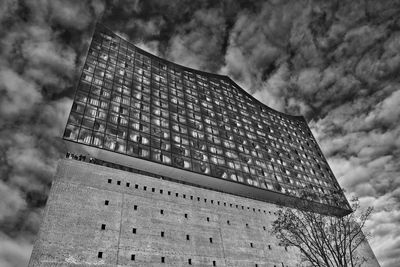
x: 134, y: 103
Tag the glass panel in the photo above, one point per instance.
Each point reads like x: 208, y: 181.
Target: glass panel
x: 85, y: 136
x: 71, y: 132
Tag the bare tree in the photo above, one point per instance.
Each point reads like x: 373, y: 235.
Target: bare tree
x: 323, y: 240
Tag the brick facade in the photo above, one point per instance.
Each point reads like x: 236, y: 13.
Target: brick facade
x: 148, y: 220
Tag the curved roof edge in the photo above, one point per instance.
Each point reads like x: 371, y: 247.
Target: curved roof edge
x: 298, y: 117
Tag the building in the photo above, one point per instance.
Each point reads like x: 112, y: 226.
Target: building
x: 178, y: 167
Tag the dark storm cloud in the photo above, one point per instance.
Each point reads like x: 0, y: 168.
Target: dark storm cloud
x: 38, y: 68
x: 335, y: 62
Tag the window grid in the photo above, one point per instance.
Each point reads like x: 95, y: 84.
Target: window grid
x: 133, y: 103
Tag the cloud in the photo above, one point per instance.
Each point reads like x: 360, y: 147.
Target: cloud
x: 335, y: 64
x: 361, y: 141
x: 387, y: 111
x: 14, y: 253
x: 41, y: 46
x: 11, y: 202
x: 198, y: 43
x: 48, y: 61
x: 273, y: 89
x: 383, y: 226
x: 146, y: 28
x: 18, y: 93
x: 257, y: 44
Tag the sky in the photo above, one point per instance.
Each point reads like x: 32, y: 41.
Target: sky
x: 337, y: 63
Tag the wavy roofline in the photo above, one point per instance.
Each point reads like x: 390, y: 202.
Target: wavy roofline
x: 225, y: 77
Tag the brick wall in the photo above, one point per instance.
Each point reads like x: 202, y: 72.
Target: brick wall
x: 148, y: 220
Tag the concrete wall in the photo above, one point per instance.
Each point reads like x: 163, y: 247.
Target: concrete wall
x: 71, y: 233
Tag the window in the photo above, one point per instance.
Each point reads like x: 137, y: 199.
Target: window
x: 144, y: 188
x: 169, y: 193
x: 176, y: 194
x: 247, y: 225
x: 135, y: 207
x: 153, y: 189
x: 186, y: 215
x: 251, y: 244
x: 190, y: 261
x: 187, y: 237
x: 214, y: 263
x: 162, y: 259
x: 162, y: 211
x: 109, y: 181
x: 269, y: 246
x: 118, y: 182
x: 106, y: 202
x: 136, y: 186
x: 208, y: 219
x: 211, y: 240
x: 132, y: 257
x: 103, y: 227
x: 162, y: 234
x: 228, y: 222
x: 161, y: 191
x: 134, y: 230
x: 100, y: 255
x: 128, y: 184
